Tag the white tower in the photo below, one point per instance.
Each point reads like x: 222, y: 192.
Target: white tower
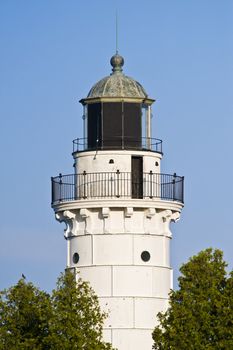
x: 117, y: 207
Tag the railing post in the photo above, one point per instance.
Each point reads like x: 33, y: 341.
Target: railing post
x: 111, y: 181
x: 148, y: 127
x: 118, y: 184
x: 174, y: 186
x: 84, y: 185
x: 84, y: 123
x: 97, y: 144
x: 182, y: 195
x: 52, y: 190
x: 75, y: 187
x: 151, y: 184
x: 60, y: 187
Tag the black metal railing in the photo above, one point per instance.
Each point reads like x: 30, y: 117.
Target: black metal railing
x: 117, y: 185
x: 118, y: 142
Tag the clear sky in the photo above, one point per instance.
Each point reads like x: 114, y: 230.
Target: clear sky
x: 52, y: 52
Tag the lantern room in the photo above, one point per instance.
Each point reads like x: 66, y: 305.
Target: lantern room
x: 117, y: 113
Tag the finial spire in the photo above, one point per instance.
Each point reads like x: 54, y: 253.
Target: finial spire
x: 116, y: 32
x: 117, y: 61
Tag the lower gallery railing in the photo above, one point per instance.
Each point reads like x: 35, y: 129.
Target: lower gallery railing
x: 117, y: 185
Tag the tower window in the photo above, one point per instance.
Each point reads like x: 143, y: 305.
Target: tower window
x: 145, y: 256
x: 156, y: 163
x: 111, y: 161
x: 75, y: 258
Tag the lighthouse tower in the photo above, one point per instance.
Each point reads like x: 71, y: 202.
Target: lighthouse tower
x: 117, y: 207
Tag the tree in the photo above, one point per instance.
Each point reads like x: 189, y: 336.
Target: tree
x: 24, y: 314
x: 68, y: 319
x: 200, y: 315
x: 77, y: 321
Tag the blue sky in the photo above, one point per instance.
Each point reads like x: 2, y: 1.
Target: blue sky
x: 52, y: 52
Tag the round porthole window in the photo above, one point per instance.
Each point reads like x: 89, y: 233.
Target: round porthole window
x: 75, y: 258
x: 145, y: 256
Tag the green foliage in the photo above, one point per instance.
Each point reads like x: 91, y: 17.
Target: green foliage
x: 24, y: 314
x: 200, y: 315
x: 68, y: 319
x: 77, y: 320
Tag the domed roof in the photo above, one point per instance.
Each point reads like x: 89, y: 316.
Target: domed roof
x: 117, y: 84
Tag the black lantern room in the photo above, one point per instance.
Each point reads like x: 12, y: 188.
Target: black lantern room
x: 117, y: 112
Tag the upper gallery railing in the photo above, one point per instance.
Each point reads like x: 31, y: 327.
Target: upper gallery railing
x: 117, y: 185
x: 118, y: 142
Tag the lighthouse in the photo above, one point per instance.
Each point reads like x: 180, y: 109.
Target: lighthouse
x: 118, y: 206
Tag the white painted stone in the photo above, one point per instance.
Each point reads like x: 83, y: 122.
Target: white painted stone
x: 72, y: 225
x: 133, y: 291
x: 151, y: 222
x: 83, y: 246
x: 113, y: 249
x: 166, y: 250
x: 106, y: 220
x: 132, y: 339
x: 100, y: 278
x: 96, y: 162
x: 96, y: 223
x: 161, y: 282
x: 107, y: 335
x: 84, y: 217
x: 95, y: 203
x: 146, y: 310
x: 149, y: 164
x: 155, y: 245
x: 128, y: 212
x: 117, y: 220
x: 128, y: 219
x: 132, y: 281
x: 137, y: 222
x: 105, y: 212
x: 120, y: 312
x: 150, y: 212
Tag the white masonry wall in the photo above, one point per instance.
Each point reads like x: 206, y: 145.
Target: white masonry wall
x: 109, y: 236
x: 98, y: 161
x: 131, y: 290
